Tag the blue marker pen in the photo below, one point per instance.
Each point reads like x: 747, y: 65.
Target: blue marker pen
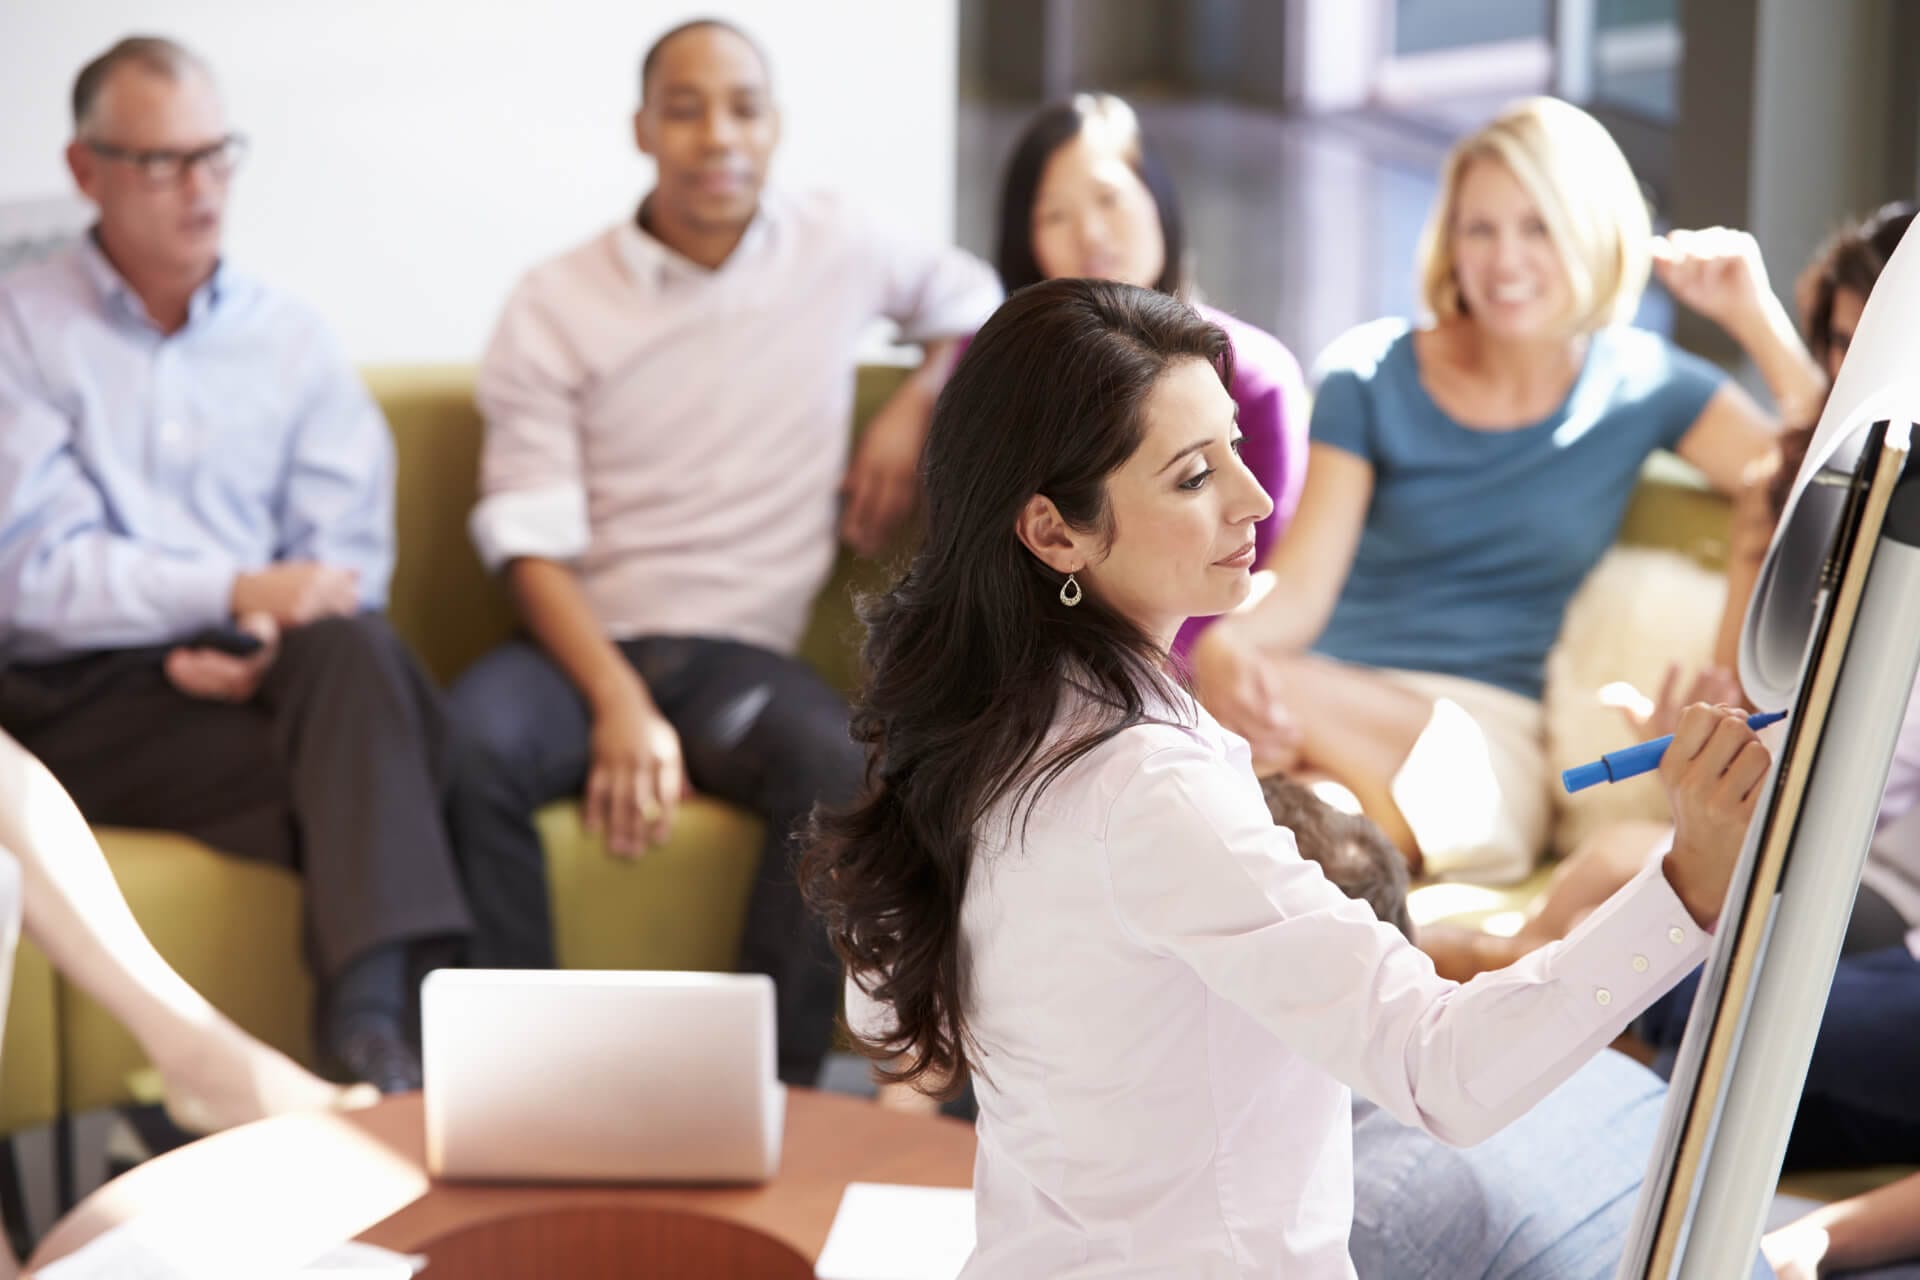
x: 1631, y: 762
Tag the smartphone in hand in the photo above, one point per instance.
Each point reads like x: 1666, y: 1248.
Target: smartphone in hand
x: 233, y: 641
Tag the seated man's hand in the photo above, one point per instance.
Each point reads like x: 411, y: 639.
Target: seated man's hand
x: 636, y: 780
x: 883, y: 481
x: 1713, y: 774
x: 296, y: 592
x: 1240, y: 688
x: 223, y: 677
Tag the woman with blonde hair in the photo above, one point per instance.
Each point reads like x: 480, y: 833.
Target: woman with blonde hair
x: 1464, y: 475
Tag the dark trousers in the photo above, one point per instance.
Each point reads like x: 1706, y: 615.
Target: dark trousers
x: 757, y: 729
x: 1860, y: 1105
x: 338, y: 768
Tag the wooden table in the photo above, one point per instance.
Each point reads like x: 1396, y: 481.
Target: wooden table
x: 528, y: 1232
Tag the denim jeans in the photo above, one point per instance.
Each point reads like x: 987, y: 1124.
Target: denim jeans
x: 1859, y: 1105
x: 1550, y: 1197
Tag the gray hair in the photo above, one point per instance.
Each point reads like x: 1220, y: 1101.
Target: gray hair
x: 156, y: 54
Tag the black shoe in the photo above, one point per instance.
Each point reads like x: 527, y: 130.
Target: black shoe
x: 963, y: 1107
x: 373, y: 1049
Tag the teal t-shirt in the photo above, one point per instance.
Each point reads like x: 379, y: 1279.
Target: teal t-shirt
x: 1475, y: 540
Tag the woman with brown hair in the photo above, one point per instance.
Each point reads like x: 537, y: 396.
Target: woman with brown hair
x: 1063, y: 880
x: 1085, y: 194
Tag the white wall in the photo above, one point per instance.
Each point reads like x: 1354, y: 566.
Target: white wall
x: 411, y: 157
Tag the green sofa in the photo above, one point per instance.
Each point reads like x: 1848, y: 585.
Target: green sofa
x: 233, y: 928
x: 30, y: 1066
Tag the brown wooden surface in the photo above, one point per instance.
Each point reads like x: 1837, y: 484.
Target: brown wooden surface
x: 831, y: 1140
x: 613, y: 1242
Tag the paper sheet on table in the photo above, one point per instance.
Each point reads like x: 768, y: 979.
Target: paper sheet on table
x: 266, y: 1201
x: 888, y: 1232
x: 356, y: 1261
x: 125, y: 1253
x: 1880, y: 379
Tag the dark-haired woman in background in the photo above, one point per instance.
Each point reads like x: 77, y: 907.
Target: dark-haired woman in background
x: 1832, y: 291
x: 1063, y: 878
x: 1085, y: 195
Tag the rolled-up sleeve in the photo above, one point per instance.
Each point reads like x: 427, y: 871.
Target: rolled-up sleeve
x: 931, y: 291
x: 1199, y: 872
x: 533, y: 499
x: 70, y: 581
x: 339, y: 498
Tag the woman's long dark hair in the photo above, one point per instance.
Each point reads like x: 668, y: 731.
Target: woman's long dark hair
x: 1851, y: 259
x: 968, y: 655
x: 1050, y: 129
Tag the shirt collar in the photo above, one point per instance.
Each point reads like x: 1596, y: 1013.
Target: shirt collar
x: 1223, y: 739
x: 652, y: 263
x: 1168, y: 702
x: 115, y: 291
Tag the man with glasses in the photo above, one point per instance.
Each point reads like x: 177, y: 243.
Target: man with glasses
x: 196, y: 510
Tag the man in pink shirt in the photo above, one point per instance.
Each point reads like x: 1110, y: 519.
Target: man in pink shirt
x: 665, y: 478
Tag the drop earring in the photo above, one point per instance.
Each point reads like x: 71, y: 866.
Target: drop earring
x: 1070, y: 593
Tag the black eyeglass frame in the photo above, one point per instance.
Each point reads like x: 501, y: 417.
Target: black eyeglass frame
x: 170, y: 168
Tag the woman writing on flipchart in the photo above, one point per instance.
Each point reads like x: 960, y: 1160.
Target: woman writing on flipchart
x: 1063, y: 881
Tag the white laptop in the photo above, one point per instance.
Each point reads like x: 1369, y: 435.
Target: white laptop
x: 588, y: 1076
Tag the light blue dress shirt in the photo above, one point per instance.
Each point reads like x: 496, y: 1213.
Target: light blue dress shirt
x: 141, y: 472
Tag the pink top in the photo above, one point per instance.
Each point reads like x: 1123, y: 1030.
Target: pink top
x: 679, y: 435
x: 1170, y: 1005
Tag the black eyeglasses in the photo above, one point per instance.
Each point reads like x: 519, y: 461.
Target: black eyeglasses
x: 170, y: 168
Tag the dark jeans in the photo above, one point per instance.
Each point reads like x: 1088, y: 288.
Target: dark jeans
x: 757, y: 729
x: 338, y: 767
x: 1860, y: 1105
